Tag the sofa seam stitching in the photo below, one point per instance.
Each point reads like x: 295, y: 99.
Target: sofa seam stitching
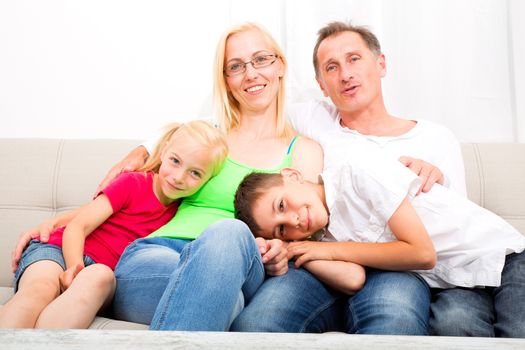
x: 481, y: 174
x: 55, y: 176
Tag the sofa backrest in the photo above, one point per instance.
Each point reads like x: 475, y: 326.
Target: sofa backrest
x: 495, y: 176
x: 43, y: 177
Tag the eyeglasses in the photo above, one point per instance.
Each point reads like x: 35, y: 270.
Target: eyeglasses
x: 236, y: 67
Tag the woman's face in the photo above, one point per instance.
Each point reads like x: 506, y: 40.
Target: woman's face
x: 256, y: 88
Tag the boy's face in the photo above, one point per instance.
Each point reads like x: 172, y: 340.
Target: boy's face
x: 293, y: 211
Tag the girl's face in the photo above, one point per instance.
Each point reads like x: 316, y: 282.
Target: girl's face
x: 186, y: 166
x: 256, y: 88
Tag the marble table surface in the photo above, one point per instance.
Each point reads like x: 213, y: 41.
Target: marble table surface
x: 138, y: 339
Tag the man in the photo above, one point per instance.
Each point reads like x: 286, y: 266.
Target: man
x: 349, y: 66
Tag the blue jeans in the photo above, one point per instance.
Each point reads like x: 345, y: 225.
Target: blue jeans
x: 293, y: 302
x: 395, y: 303
x: 389, y: 303
x: 189, y: 285
x: 483, y: 312
x: 37, y: 251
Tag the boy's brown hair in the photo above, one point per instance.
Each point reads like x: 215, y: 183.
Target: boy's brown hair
x: 251, y: 188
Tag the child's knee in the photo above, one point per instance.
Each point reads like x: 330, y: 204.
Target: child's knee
x: 41, y: 280
x: 100, y: 275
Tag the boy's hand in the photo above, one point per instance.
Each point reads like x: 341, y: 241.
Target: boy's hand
x: 40, y: 232
x: 428, y: 173
x: 305, y: 251
x: 67, y: 277
x: 274, y: 256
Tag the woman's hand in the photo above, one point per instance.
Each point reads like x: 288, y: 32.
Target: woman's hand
x: 274, y: 256
x: 40, y: 232
x: 67, y: 277
x: 428, y: 173
x: 133, y: 161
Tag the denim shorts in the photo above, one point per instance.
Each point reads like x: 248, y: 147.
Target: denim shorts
x: 37, y: 251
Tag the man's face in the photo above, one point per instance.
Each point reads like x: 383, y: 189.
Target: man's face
x: 349, y: 73
x: 290, y: 212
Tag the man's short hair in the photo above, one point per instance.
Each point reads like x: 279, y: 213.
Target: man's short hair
x: 250, y: 190
x: 337, y: 27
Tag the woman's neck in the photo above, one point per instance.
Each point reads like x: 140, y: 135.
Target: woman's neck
x: 256, y: 127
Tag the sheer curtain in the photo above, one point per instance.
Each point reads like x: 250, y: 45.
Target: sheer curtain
x: 123, y: 68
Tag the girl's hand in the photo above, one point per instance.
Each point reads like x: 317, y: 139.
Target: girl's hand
x: 40, y: 232
x: 67, y: 277
x: 305, y: 251
x: 274, y: 256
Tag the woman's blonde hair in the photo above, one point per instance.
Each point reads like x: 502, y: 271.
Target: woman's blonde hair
x: 204, y: 133
x: 227, y: 108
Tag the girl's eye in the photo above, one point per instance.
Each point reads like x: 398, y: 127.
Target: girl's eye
x: 174, y: 160
x: 196, y: 174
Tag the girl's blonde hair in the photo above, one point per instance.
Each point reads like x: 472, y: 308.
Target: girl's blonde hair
x: 204, y: 133
x: 227, y: 108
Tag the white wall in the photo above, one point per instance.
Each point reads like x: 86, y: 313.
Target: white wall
x: 123, y: 68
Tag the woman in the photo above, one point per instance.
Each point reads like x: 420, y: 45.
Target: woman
x: 192, y: 276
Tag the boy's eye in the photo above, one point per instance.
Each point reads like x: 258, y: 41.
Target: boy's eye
x: 281, y: 230
x: 281, y: 205
x: 355, y: 58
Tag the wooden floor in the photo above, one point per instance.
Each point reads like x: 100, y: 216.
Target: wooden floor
x: 134, y: 340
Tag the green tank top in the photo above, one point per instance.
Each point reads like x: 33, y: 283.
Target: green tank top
x: 214, y: 201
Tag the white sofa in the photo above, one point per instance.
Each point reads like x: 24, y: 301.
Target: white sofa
x: 43, y: 177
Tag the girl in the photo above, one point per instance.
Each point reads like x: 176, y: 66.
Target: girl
x: 64, y: 283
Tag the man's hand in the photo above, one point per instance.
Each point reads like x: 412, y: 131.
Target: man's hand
x: 428, y: 173
x: 274, y: 256
x: 67, y: 277
x: 40, y: 232
x: 133, y: 161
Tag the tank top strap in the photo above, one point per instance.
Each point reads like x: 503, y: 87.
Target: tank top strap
x: 292, y: 145
x: 287, y: 161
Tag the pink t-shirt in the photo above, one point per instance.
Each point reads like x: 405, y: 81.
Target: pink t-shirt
x: 136, y: 213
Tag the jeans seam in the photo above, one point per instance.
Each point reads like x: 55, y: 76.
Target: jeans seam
x: 314, y: 315
x: 351, y: 314
x: 251, y: 264
x: 182, y: 264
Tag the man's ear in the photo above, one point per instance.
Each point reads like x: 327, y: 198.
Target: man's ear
x: 292, y: 174
x: 381, y: 62
x: 321, y: 85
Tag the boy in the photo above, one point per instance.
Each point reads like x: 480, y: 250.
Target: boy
x: 369, y: 210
